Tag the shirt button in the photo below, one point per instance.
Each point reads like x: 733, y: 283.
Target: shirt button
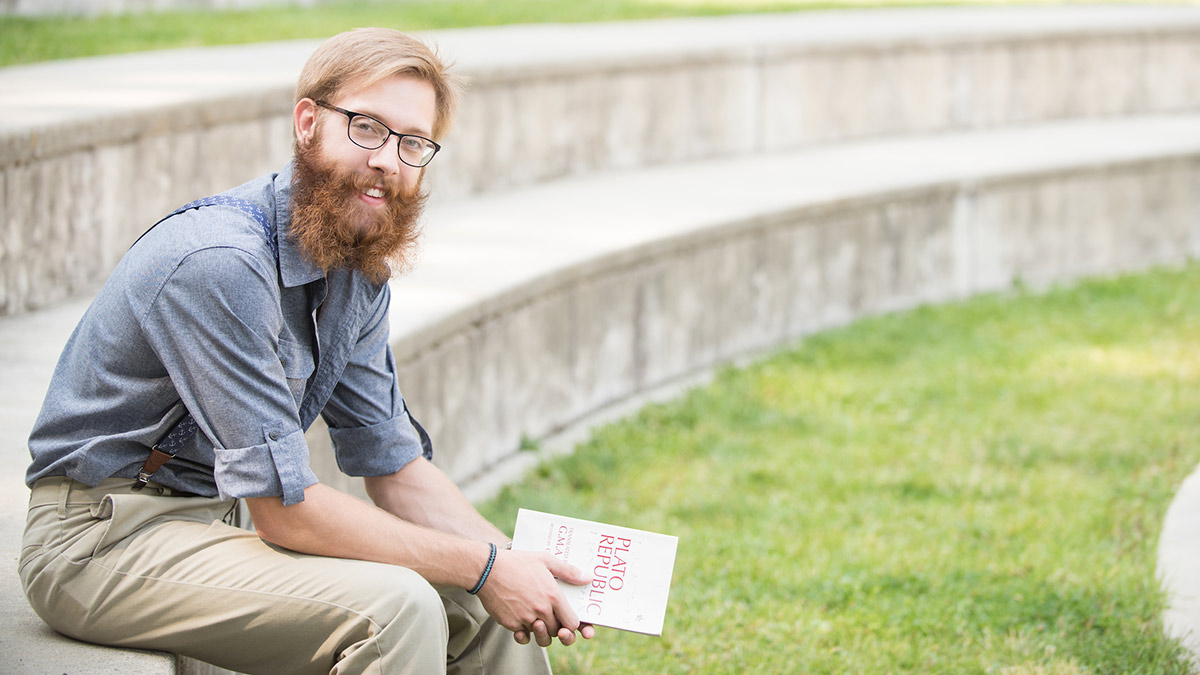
x: 274, y: 435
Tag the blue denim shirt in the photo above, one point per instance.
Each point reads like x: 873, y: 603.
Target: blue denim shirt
x: 199, y: 314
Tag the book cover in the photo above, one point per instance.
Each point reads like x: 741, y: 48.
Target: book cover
x: 631, y: 569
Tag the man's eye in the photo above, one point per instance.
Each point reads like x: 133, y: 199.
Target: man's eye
x: 413, y: 143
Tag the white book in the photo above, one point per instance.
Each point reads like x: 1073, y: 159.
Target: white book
x: 631, y: 569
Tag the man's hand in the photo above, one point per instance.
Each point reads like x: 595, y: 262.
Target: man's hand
x: 521, y: 594
x: 423, y: 522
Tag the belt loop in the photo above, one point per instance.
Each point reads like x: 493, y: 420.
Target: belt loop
x: 64, y: 490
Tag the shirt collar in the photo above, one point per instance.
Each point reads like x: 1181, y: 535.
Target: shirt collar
x: 294, y: 268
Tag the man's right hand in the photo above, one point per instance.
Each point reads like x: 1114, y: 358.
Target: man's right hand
x: 522, y: 595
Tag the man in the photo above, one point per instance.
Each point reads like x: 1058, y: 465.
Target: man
x: 243, y: 319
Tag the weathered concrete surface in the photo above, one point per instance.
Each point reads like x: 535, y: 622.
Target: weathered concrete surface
x: 132, y: 137
x: 1179, y: 566
x: 534, y: 309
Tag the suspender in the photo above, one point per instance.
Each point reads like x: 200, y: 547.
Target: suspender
x: 184, y: 429
x: 249, y: 208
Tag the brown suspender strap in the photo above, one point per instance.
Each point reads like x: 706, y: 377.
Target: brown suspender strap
x: 165, y: 449
x: 153, y: 463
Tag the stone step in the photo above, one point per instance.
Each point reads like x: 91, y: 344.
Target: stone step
x: 132, y: 136
x: 546, y: 280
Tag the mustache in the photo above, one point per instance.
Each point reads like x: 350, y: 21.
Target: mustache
x: 392, y: 190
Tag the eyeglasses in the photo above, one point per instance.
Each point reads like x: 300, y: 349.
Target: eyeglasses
x: 371, y: 134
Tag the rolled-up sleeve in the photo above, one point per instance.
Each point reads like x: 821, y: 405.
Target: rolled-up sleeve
x: 368, y: 422
x: 215, y: 323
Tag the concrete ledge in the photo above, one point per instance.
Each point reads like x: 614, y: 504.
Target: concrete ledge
x: 534, y: 310
x: 1178, y: 553
x: 530, y: 310
x: 132, y: 137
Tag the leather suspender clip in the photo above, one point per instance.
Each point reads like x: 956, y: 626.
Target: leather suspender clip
x: 153, y: 463
x: 165, y: 449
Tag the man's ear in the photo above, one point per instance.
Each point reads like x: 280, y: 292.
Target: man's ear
x: 304, y: 121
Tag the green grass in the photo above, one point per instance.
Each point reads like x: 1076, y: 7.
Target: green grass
x: 26, y: 40
x: 970, y: 488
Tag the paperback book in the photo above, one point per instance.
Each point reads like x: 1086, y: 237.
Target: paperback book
x: 631, y: 569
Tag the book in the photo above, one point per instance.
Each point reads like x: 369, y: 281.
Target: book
x: 631, y: 569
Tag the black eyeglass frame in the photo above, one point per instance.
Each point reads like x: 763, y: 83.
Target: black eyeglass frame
x: 350, y: 115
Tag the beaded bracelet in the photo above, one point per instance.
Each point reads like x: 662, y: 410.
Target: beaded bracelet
x: 486, y: 571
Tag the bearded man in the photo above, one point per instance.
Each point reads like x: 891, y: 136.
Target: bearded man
x: 188, y: 385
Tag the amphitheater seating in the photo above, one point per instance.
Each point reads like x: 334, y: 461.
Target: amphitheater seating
x: 622, y: 207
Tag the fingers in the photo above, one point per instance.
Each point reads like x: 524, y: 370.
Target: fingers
x: 564, y: 572
x: 565, y: 635
x: 565, y: 614
x: 541, y: 634
x: 526, y: 600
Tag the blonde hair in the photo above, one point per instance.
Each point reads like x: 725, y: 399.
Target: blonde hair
x: 364, y: 56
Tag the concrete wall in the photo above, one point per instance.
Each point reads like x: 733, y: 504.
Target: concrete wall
x: 69, y: 218
x: 540, y: 356
x: 593, y: 98
x: 530, y: 126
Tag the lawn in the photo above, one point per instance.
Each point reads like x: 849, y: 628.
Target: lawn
x: 26, y: 40
x: 969, y: 488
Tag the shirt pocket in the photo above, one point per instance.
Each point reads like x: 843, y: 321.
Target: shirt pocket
x: 298, y: 365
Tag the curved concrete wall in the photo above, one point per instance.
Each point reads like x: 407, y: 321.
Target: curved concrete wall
x: 513, y: 329
x: 554, y: 101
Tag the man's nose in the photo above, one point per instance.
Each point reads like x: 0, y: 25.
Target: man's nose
x: 386, y: 157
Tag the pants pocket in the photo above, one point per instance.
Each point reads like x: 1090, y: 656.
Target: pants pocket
x: 74, y: 535
x: 29, y: 555
x: 54, y: 551
x: 91, y: 530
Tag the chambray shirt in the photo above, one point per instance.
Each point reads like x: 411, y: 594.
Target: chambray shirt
x: 199, y: 315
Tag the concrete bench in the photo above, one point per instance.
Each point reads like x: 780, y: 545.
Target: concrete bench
x: 515, y: 326
x: 131, y: 137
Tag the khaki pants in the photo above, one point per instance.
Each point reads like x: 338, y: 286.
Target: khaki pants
x: 154, y: 571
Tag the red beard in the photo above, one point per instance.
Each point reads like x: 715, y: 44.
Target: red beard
x: 335, y: 230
